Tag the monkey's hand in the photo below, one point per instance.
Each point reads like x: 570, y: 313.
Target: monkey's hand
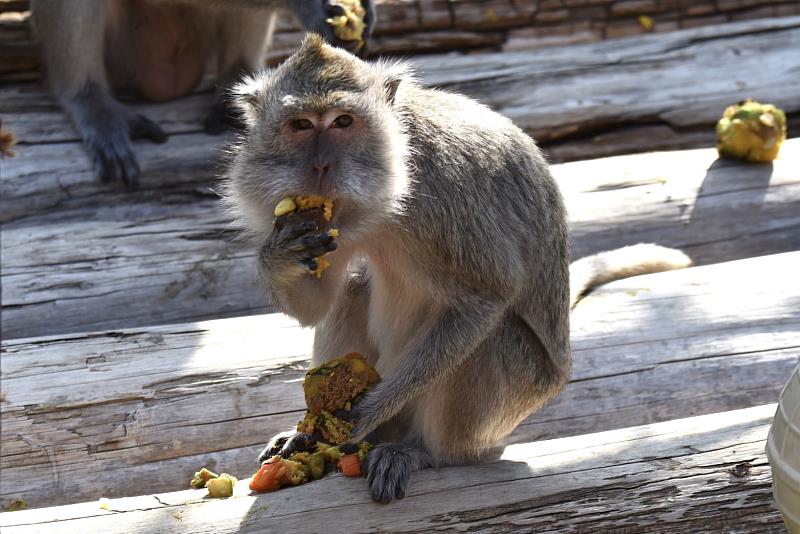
x: 295, y: 243
x: 286, y: 444
x: 107, y: 128
x: 315, y: 14
x: 286, y: 261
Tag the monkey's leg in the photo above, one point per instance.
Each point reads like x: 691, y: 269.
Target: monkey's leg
x: 245, y: 35
x: 72, y: 33
x: 470, y: 410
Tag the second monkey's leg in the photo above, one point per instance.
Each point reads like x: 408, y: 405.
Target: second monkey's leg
x: 244, y: 36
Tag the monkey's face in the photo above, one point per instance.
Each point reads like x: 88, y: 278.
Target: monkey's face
x: 321, y: 124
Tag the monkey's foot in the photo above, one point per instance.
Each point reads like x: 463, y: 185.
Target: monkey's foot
x: 107, y: 127
x: 389, y: 468
x: 286, y: 444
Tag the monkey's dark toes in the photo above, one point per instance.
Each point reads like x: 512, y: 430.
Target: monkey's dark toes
x: 143, y: 128
x: 389, y: 468
x: 114, y: 160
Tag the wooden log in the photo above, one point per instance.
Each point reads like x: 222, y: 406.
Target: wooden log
x: 165, y: 254
x: 678, y: 79
x: 703, y: 474
x: 84, y: 412
x: 641, y: 82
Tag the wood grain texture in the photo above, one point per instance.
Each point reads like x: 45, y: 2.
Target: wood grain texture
x: 704, y: 474
x: 584, y: 101
x: 83, y: 412
x: 679, y: 80
x: 168, y: 253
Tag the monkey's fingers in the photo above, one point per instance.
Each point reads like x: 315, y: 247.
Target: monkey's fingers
x: 298, y: 443
x: 334, y: 10
x: 312, y: 246
x: 291, y: 227
x: 142, y: 127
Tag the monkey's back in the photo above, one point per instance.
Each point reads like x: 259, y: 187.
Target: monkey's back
x: 478, y: 175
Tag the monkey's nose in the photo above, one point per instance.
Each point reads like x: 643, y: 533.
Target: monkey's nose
x: 321, y: 169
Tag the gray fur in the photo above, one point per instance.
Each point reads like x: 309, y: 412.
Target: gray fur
x: 452, y: 270
x: 84, y: 40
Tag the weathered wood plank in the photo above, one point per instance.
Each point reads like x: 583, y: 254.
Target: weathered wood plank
x: 85, y: 411
x: 165, y: 255
x: 678, y: 79
x: 703, y: 474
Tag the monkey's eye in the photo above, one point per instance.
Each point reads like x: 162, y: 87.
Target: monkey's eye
x: 343, y: 121
x: 301, y: 124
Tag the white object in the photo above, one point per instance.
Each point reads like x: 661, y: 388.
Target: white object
x: 783, y: 451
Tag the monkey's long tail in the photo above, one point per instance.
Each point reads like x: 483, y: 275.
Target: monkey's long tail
x: 603, y: 267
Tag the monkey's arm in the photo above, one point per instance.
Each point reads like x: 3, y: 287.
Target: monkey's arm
x: 453, y: 333
x: 313, y: 14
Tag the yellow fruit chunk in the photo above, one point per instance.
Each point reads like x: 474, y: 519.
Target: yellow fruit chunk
x: 307, y: 202
x: 751, y: 131
x: 285, y: 206
x: 221, y: 487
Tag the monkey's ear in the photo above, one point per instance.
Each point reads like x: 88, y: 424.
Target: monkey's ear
x: 247, y: 96
x: 393, y: 74
x: 391, y: 86
x: 245, y: 93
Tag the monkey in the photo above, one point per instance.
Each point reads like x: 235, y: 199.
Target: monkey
x: 451, y: 271
x: 156, y: 50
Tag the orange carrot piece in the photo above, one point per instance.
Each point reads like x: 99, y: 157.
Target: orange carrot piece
x: 349, y: 465
x: 268, y: 477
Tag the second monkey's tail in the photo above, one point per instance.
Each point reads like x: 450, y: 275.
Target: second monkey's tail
x: 604, y: 267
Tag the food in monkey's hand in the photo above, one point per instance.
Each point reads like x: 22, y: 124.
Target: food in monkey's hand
x: 335, y: 384
x: 751, y: 131
x: 331, y: 428
x: 330, y: 388
x: 316, y: 207
x: 221, y: 486
x: 350, y: 25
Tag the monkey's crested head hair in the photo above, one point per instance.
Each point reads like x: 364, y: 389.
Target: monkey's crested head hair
x: 322, y: 123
